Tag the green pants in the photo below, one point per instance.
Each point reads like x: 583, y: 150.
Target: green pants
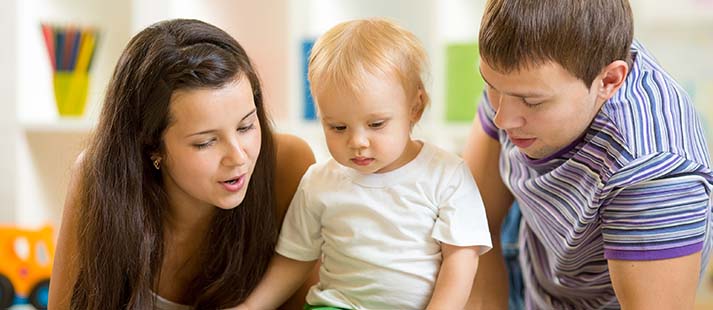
x: 310, y: 307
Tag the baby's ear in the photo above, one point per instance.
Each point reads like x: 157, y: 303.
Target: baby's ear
x: 417, y: 106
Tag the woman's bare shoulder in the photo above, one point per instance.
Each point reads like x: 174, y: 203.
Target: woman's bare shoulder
x: 293, y: 158
x: 65, y: 269
x: 290, y: 145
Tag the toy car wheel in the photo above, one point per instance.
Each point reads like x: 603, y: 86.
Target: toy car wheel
x: 7, y: 293
x: 40, y: 295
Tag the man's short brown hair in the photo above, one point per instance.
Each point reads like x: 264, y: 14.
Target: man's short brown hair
x: 583, y: 36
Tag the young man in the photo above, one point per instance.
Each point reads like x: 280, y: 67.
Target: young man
x: 603, y: 152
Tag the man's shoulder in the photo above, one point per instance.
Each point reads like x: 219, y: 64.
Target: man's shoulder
x: 647, y: 77
x: 652, y: 113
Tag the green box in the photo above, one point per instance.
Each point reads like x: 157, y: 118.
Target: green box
x: 464, y: 85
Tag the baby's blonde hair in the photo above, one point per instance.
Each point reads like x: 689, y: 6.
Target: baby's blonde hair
x: 345, y: 55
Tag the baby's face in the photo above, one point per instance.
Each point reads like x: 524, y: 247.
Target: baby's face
x: 370, y: 132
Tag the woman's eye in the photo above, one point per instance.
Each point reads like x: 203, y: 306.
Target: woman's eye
x: 246, y: 128
x: 203, y: 145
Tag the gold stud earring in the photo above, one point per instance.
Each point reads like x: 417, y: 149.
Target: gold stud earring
x: 157, y: 163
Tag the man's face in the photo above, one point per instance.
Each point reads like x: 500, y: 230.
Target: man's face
x: 543, y: 109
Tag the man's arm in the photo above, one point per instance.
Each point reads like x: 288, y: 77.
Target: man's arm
x: 653, y: 233
x: 482, y: 153
x: 657, y: 284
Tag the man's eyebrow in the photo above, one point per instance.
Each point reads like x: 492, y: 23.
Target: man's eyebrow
x: 514, y: 94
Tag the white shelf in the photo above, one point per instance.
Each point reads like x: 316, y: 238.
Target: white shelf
x: 62, y: 125
x: 687, y: 14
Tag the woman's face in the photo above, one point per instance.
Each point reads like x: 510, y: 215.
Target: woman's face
x: 211, y: 146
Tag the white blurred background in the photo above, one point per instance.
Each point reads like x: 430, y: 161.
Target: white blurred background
x: 37, y: 146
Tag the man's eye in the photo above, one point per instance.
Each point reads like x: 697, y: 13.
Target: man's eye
x: 530, y: 104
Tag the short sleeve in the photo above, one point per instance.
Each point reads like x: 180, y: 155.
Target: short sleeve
x: 664, y: 213
x: 486, y: 114
x: 461, y: 214
x: 300, y: 236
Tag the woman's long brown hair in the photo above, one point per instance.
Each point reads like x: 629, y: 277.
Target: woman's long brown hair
x: 123, y: 201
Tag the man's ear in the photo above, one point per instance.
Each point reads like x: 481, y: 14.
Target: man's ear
x: 611, y: 79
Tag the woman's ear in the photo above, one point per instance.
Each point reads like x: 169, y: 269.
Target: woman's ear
x: 155, y: 156
x: 156, y: 160
x: 611, y: 79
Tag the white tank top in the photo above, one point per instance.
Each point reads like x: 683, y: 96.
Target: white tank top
x: 161, y: 303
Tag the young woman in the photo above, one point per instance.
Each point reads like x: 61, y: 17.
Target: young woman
x: 176, y: 201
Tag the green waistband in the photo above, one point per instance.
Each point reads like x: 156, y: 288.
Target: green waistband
x: 310, y: 307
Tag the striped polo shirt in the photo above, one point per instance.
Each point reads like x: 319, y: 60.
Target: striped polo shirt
x: 636, y: 186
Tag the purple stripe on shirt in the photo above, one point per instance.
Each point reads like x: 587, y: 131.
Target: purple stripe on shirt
x: 653, y: 255
x: 484, y: 122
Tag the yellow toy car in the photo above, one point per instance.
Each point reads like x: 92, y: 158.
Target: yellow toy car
x: 25, y: 266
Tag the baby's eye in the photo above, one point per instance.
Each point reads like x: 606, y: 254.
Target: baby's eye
x: 378, y: 124
x: 338, y: 128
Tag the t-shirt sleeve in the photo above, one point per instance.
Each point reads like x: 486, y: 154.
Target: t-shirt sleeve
x: 461, y: 214
x: 300, y: 236
x: 663, y: 213
x: 486, y: 114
